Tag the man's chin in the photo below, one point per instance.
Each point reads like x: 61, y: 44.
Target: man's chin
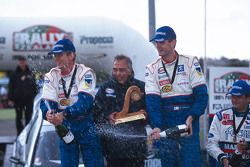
x: 121, y: 82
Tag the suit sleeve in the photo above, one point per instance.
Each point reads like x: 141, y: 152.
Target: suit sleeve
x: 153, y: 99
x: 48, y: 93
x: 199, y: 87
x: 213, y: 148
x: 49, y: 90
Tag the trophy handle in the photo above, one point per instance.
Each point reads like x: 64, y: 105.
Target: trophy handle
x: 133, y: 93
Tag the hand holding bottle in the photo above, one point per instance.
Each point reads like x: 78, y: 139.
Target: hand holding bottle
x: 237, y: 155
x: 242, y: 146
x: 155, y: 134
x: 56, y: 119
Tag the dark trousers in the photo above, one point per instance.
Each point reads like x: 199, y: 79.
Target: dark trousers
x: 135, y: 162
x: 23, y: 107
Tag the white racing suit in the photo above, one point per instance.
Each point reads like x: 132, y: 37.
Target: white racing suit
x: 170, y: 107
x: 78, y: 109
x: 220, y: 138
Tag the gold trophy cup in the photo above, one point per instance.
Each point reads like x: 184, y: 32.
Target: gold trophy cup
x: 133, y: 93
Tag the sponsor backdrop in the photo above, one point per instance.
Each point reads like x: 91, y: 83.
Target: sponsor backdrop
x: 220, y: 81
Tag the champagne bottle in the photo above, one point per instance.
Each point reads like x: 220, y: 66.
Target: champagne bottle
x: 179, y: 130
x: 235, y: 159
x: 63, y: 132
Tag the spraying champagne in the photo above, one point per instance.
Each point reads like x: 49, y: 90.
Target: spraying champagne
x: 63, y: 132
x: 178, y: 131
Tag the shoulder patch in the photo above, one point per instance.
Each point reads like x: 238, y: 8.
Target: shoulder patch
x: 210, y: 135
x: 151, y: 67
x: 219, y: 115
x: 51, y: 75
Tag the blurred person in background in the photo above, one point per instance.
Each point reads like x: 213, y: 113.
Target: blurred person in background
x: 21, y: 93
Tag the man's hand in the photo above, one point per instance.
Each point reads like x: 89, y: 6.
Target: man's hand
x: 242, y: 146
x: 59, y: 118
x: 112, y: 118
x: 225, y: 162
x: 49, y: 115
x: 55, y: 119
x: 155, y: 134
x: 189, y: 125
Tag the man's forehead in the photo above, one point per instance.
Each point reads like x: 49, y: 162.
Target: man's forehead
x: 119, y: 64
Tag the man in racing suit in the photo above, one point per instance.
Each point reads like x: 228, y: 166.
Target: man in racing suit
x: 120, y: 151
x: 176, y: 94
x: 231, y: 126
x: 69, y: 88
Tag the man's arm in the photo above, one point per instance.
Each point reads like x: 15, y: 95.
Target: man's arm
x: 213, y: 148
x: 44, y: 108
x: 11, y: 88
x: 82, y: 107
x: 198, y: 84
x: 200, y: 101
x: 153, y: 100
x: 48, y: 93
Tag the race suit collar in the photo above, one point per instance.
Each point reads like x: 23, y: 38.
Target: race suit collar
x: 239, y: 114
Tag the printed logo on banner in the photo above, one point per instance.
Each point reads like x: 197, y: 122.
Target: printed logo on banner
x: 38, y: 38
x: 220, y: 80
x: 223, y: 83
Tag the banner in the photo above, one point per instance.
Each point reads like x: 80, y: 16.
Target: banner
x: 220, y: 81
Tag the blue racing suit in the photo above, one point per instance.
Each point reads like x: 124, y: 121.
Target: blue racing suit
x: 78, y: 114
x: 169, y: 105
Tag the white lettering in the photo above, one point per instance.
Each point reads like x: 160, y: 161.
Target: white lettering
x: 152, y: 163
x: 36, y: 41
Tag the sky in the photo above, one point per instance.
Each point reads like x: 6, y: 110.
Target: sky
x: 227, y: 22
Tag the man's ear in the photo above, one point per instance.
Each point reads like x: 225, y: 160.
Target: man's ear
x: 72, y: 56
x: 248, y: 98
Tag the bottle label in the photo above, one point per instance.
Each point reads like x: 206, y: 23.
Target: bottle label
x: 184, y: 134
x: 181, y: 127
x: 68, y: 138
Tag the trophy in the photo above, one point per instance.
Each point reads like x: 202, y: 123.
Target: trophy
x: 133, y: 93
